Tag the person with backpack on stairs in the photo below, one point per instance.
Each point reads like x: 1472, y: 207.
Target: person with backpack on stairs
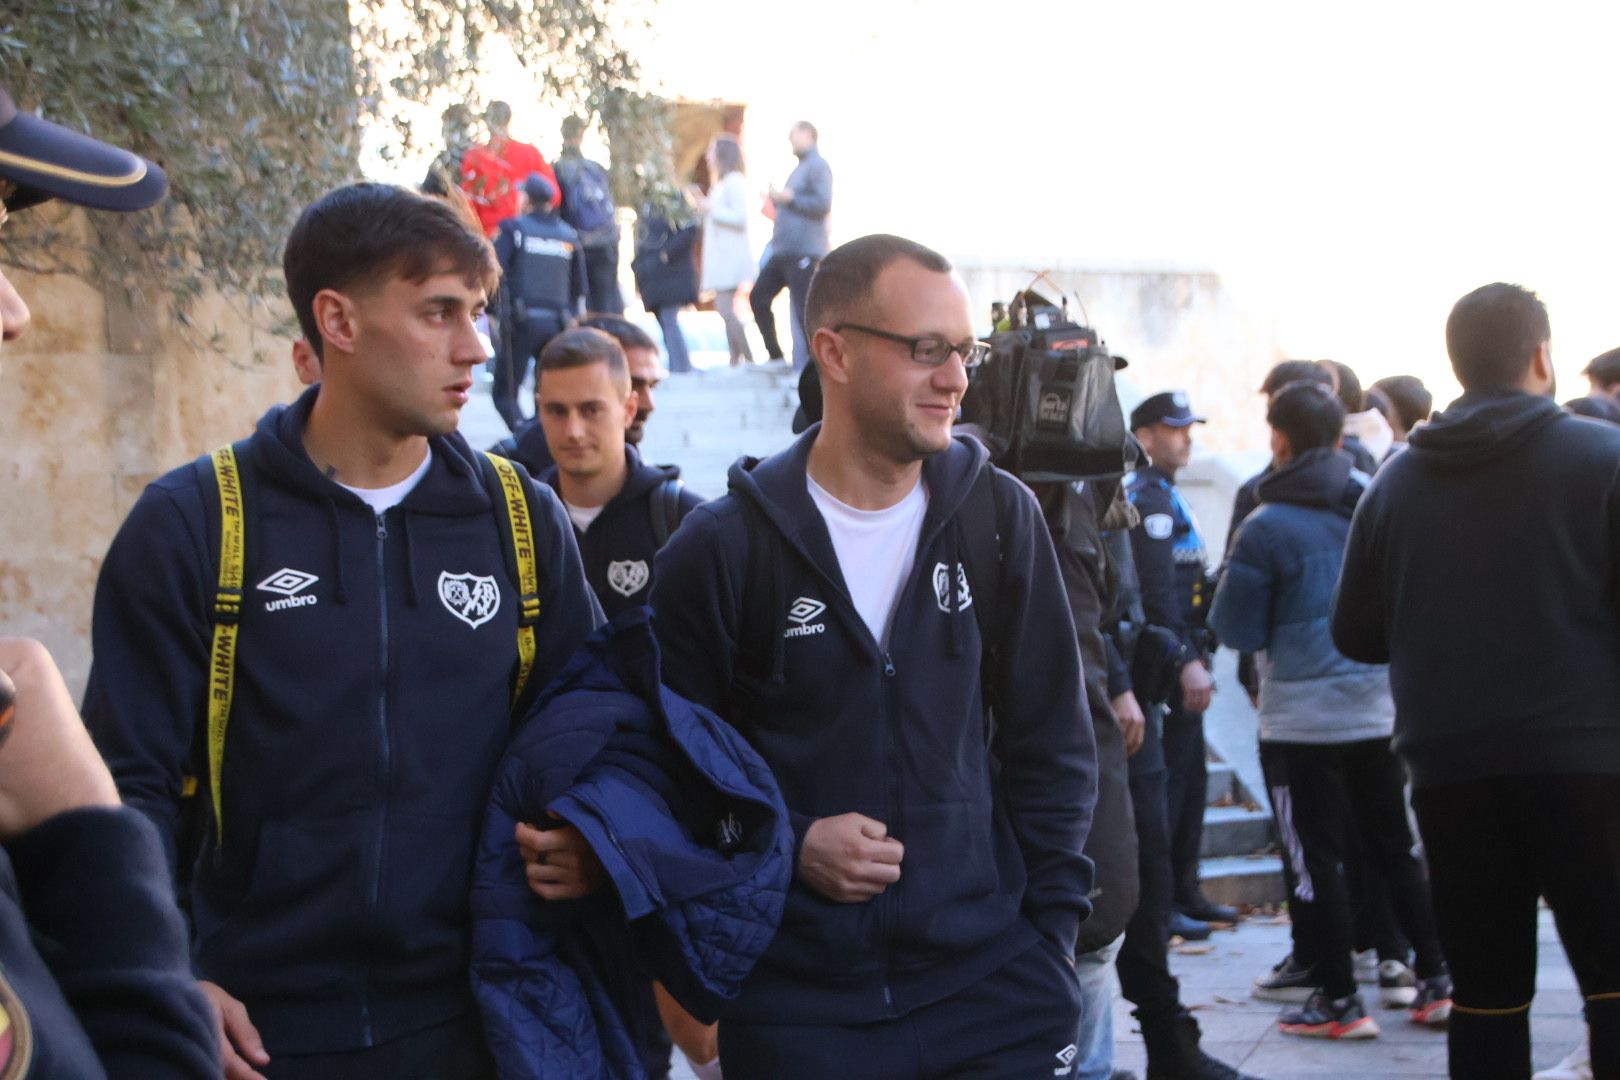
x: 879, y: 612
x: 587, y: 205
x: 314, y: 644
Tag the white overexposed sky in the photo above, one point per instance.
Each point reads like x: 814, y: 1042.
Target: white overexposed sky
x: 1348, y: 169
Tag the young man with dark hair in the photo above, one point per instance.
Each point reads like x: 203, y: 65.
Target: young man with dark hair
x: 1603, y: 373
x: 623, y: 510
x: 1280, y: 375
x: 1484, y: 568
x: 1172, y: 565
x: 1324, y: 720
x: 801, y: 208
x: 1367, y: 435
x: 376, y: 656
x: 95, y: 973
x: 543, y: 284
x: 528, y: 443
x: 856, y: 606
x: 587, y: 205
x: 1412, y: 401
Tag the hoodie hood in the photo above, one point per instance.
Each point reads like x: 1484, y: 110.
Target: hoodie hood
x: 640, y: 479
x: 777, y: 487
x: 1325, y: 478
x: 452, y: 486
x: 1481, y: 427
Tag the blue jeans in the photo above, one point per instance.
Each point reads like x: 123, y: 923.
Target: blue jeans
x: 1095, y: 1042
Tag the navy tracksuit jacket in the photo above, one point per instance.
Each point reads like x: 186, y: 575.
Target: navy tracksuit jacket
x: 368, y: 721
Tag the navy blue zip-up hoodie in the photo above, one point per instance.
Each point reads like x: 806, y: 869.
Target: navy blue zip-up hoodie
x: 992, y: 833
x: 619, y: 547
x: 368, y: 719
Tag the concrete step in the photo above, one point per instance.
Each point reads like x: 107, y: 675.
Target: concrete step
x: 1254, y: 880
x: 1222, y: 785
x: 1234, y: 830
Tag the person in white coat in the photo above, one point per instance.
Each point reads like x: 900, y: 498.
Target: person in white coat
x: 728, y: 262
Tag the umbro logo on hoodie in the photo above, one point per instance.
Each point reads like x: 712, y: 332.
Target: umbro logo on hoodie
x: 803, y: 610
x: 289, y: 584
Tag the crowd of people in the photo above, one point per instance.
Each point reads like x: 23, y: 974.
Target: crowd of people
x: 881, y: 764
x: 557, y: 236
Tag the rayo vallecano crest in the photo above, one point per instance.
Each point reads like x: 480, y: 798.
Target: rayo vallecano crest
x: 471, y: 598
x: 627, y: 578
x: 942, y: 587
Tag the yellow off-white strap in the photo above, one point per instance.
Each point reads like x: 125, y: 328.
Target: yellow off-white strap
x: 227, y: 609
x: 517, y: 515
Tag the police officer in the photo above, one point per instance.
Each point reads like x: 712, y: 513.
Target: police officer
x: 1173, y: 567
x: 543, y: 274
x: 623, y: 511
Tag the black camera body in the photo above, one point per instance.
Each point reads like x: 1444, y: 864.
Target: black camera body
x: 1046, y: 399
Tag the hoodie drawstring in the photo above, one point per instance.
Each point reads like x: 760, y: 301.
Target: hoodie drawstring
x: 953, y: 590
x: 339, y: 593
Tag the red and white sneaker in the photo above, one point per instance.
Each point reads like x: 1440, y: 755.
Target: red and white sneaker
x: 1432, y: 1006
x: 1322, y: 1017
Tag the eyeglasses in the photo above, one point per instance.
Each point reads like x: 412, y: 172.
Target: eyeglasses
x: 930, y: 350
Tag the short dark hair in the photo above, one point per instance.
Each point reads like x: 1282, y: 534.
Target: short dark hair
x: 499, y: 112
x: 1604, y: 368
x: 1493, y: 333
x: 581, y: 346
x: 369, y: 232
x: 1308, y: 414
x: 1292, y: 371
x: 627, y: 333
x: 1595, y: 406
x: 1412, y: 400
x: 843, y: 282
x: 573, y: 127
x: 805, y: 125
x: 728, y: 156
x: 1350, y: 393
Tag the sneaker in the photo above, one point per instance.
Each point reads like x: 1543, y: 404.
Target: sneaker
x: 1365, y: 963
x: 1431, y: 1003
x: 1577, y: 1066
x: 1286, y: 982
x: 1324, y: 1018
x: 1189, y: 929
x: 1397, y: 986
x: 1204, y: 909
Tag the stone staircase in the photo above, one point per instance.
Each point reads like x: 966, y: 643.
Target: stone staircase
x: 1239, y: 864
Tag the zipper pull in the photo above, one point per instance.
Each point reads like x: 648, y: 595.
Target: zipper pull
x: 888, y: 665
x: 382, y: 526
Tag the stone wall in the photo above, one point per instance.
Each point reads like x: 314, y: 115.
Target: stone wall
x: 99, y: 397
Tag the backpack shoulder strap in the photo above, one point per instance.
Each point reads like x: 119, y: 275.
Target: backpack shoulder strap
x: 665, y: 506
x: 512, y: 497
x: 225, y: 489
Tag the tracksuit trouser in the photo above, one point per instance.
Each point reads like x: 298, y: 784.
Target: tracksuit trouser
x: 1019, y: 1021
x: 1496, y: 847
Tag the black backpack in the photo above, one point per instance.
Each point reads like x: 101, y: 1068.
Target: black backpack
x: 1046, y: 396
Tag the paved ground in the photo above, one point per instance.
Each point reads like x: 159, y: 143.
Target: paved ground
x: 1242, y: 1031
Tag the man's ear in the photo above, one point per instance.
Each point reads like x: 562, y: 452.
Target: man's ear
x: 1541, y: 365
x: 832, y: 356
x: 632, y: 405
x: 335, y: 319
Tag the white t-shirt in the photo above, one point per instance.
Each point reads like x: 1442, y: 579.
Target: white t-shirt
x: 382, y: 500
x: 582, y: 516
x: 876, y: 550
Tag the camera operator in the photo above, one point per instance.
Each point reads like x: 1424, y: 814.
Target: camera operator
x: 94, y: 976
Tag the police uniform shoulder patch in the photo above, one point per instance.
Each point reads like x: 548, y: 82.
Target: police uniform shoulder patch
x: 1159, y: 526
x: 16, y: 1034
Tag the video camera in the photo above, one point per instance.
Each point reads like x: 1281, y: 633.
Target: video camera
x: 1046, y: 400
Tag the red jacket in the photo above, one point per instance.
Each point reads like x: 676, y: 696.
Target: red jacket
x: 493, y: 179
